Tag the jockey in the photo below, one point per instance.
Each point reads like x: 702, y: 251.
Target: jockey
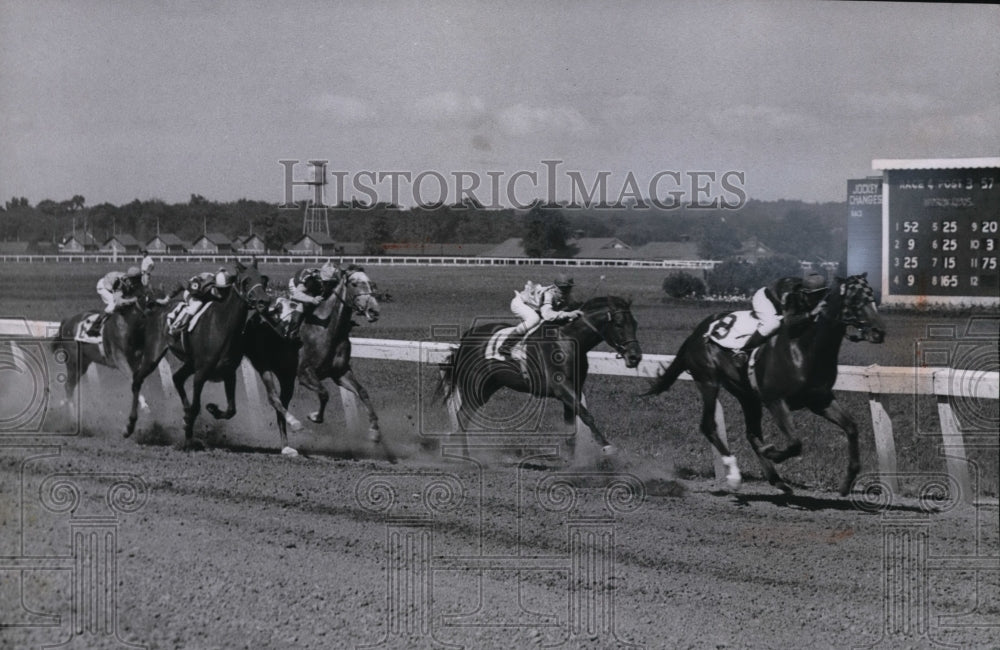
x: 306, y: 289
x: 116, y: 289
x: 792, y: 299
x: 200, y: 288
x: 537, y: 303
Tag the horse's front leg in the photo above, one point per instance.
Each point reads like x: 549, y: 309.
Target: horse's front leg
x: 350, y: 382
x: 138, y: 378
x: 572, y: 401
x: 279, y: 399
x: 309, y: 379
x: 835, y: 413
x: 783, y: 417
x: 191, y: 412
x: 179, y: 377
x: 752, y: 413
x: 230, y: 386
x: 709, y: 397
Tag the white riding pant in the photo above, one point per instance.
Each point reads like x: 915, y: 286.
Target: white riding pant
x: 110, y: 299
x: 529, y: 317
x: 768, y: 318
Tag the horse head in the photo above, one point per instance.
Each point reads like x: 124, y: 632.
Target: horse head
x: 612, y: 318
x: 359, y: 292
x: 251, y: 286
x: 857, y: 308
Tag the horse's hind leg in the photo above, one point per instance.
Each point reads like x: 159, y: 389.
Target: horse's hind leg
x: 709, y: 396
x: 752, y: 413
x: 835, y: 413
x: 138, y: 378
x: 230, y: 385
x: 573, y: 403
x: 279, y: 394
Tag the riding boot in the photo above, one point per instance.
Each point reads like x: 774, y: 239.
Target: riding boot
x: 95, y: 329
x: 506, y: 347
x: 755, y: 339
x: 180, y: 322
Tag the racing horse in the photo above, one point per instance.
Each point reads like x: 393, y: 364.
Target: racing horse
x: 326, y: 346
x: 783, y: 374
x: 214, y: 349
x: 555, y: 365
x: 133, y: 340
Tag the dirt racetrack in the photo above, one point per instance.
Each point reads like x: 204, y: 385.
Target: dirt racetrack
x: 240, y: 548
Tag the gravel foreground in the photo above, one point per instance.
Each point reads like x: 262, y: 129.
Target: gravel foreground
x: 104, y: 541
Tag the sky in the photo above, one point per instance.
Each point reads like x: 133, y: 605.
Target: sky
x: 120, y: 100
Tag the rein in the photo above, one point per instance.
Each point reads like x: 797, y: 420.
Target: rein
x: 620, y: 348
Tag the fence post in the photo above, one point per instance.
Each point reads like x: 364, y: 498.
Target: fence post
x: 954, y: 448
x: 885, y: 443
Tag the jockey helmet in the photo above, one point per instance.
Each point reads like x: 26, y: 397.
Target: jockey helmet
x: 222, y: 278
x: 133, y: 272
x: 563, y: 281
x: 813, y: 282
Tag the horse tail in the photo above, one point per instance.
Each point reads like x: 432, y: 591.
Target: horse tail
x: 667, y: 376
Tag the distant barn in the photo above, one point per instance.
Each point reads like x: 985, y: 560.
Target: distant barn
x: 79, y: 243
x: 166, y: 243
x: 212, y: 243
x: 121, y: 244
x: 313, y: 244
x: 250, y: 245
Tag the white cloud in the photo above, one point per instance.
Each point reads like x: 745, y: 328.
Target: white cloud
x: 450, y: 106
x: 522, y: 119
x: 748, y: 118
x: 341, y: 108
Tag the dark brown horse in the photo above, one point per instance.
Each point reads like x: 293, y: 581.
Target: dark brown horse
x: 556, y: 365
x: 214, y: 350
x: 326, y: 346
x: 782, y: 374
x: 276, y: 360
x: 134, y: 340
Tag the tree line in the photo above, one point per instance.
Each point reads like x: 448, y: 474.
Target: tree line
x: 810, y: 231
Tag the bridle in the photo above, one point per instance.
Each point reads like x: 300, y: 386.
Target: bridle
x: 620, y: 347
x: 855, y: 296
x: 345, y: 278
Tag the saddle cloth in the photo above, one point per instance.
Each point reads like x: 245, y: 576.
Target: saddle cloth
x: 517, y: 352
x: 179, y: 307
x: 733, y: 329
x: 84, y: 326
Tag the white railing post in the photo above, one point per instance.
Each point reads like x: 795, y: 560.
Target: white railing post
x: 885, y: 443
x: 953, y: 445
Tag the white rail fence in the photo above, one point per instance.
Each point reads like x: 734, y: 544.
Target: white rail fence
x: 948, y: 385
x: 375, y: 260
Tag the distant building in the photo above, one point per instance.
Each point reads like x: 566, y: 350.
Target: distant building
x: 166, y: 243
x: 250, y: 245
x: 212, y: 243
x: 512, y: 247
x: 435, y: 249
x: 668, y: 250
x: 601, y: 248
x: 79, y: 243
x: 607, y: 248
x: 754, y: 250
x: 313, y: 243
x: 14, y: 248
x: 121, y: 244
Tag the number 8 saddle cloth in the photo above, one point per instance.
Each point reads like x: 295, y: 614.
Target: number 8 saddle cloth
x: 733, y: 329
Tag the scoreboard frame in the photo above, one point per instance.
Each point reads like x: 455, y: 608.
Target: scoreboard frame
x: 940, y: 231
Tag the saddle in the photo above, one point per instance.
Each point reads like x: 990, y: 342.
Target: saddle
x: 732, y: 330
x: 517, y: 353
x: 179, y: 307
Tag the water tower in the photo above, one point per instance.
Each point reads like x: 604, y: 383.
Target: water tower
x: 314, y: 216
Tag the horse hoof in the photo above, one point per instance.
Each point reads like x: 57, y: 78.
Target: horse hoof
x: 293, y: 422
x: 784, y: 487
x: 769, y: 452
x: 288, y: 451
x: 316, y: 418
x: 608, y: 450
x: 735, y: 482
x: 214, y: 410
x: 794, y: 449
x: 374, y: 436
x: 193, y: 445
x: 127, y: 432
